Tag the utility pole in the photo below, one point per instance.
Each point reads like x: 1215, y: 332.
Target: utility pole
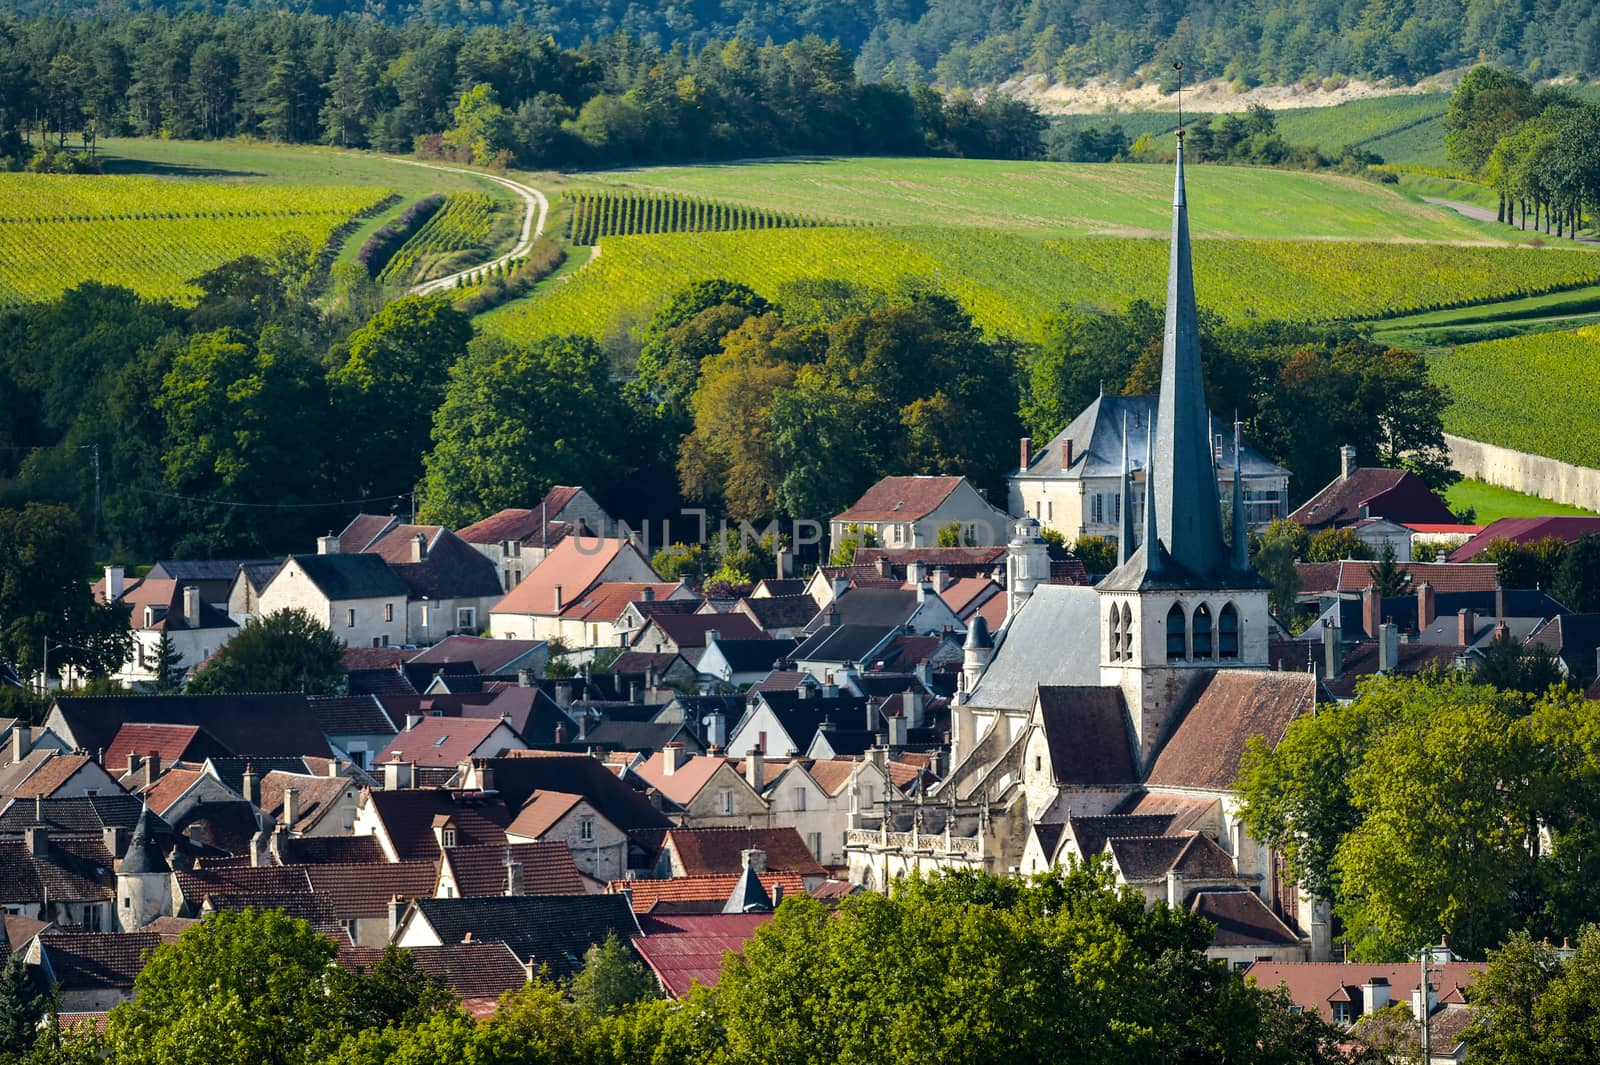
x: 1423, y: 1020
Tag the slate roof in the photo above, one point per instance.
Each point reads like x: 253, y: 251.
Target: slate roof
x: 408, y: 815
x: 686, y: 950
x: 775, y: 587
x: 779, y: 611
x: 255, y: 724
x: 548, y: 930
x: 697, y: 894
x: 486, y: 656
x: 1146, y: 858
x: 350, y: 715
x: 956, y: 561
x: 1091, y: 833
x: 470, y: 970
x: 205, y: 569
x: 1228, y: 708
x: 343, y: 577
x: 1568, y: 529
x: 710, y: 851
x: 1372, y: 491
x: 230, y: 771
x: 1090, y: 736
x: 443, y: 741
x: 843, y: 643
x: 78, y: 816
x: 1242, y: 920
x: 1031, y: 656
x: 70, y: 870
x: 634, y: 735
x: 83, y: 961
x: 871, y: 607
x: 641, y: 662
x: 547, y: 869
x: 518, y: 778
x: 530, y: 712
x: 901, y: 499
x: 801, y: 718
x: 751, y: 656
x: 450, y: 569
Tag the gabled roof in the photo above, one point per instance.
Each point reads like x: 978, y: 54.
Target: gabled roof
x: 751, y: 656
x: 693, y: 773
x: 543, y: 811
x: 41, y: 772
x: 605, y: 602
x: 313, y: 796
x: 487, y: 656
x: 1352, y: 575
x: 547, y: 869
x: 1242, y: 920
x: 1567, y: 529
x: 364, y: 890
x: 552, y: 930
x: 1091, y: 833
x: 85, y: 961
x: 331, y: 850
x: 69, y: 870
x: 170, y: 743
x: 350, y: 715
x: 1313, y: 985
x: 365, y: 530
x: 78, y: 816
x: 157, y: 605
x: 872, y: 607
x: 684, y: 950
x: 469, y: 970
x: 527, y: 524
x: 408, y: 817
x: 205, y: 569
x: 1224, y: 711
x: 450, y: 569
x: 1147, y: 858
x: 901, y: 499
x: 697, y: 894
x: 772, y: 587
x: 444, y: 741
x: 708, y: 851
x: 264, y: 724
x: 517, y: 778
x: 689, y: 630
x: 1371, y: 491
x: 843, y: 643
x: 779, y: 611
x: 573, y: 565
x: 345, y: 577
x: 1090, y: 736
x: 639, y: 735
x: 747, y: 896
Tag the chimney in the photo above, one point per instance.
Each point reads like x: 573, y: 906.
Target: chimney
x: 563, y: 693
x: 1174, y: 888
x: 115, y: 840
x: 561, y: 732
x: 412, y: 721
x: 191, y: 605
x: 38, y: 839
x: 648, y: 595
x: 785, y: 562
x: 327, y: 545
x: 916, y: 572
x: 911, y: 708
x: 777, y: 895
x: 397, y: 909
x: 583, y: 723
x: 754, y: 858
x: 258, y: 850
x: 291, y: 807
x: 152, y: 768
x: 840, y: 585
x: 396, y: 775
x: 515, y: 884
x: 1388, y: 648
x: 524, y: 678
x: 558, y: 598
x: 1025, y: 453
x: 1332, y: 653
x: 1499, y: 601
x: 21, y: 742
x: 1427, y: 608
x: 1371, y: 610
x: 716, y: 729
x: 1066, y: 454
x: 419, y: 547
x: 755, y: 768
x: 248, y: 787
x: 114, y: 584
x: 485, y: 776
x: 1374, y: 995
x: 881, y: 564
x: 1466, y: 627
x: 635, y: 695
x: 1347, y: 462
x: 941, y: 580
x: 897, y: 730
x: 830, y: 619
x: 712, y: 636
x: 670, y: 754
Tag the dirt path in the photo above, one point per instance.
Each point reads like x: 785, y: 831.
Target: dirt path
x: 535, y: 209
x: 1483, y: 214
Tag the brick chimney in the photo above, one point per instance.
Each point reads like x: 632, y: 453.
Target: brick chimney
x: 1466, y: 627
x: 1347, y: 462
x: 1066, y: 453
x: 670, y: 755
x: 1025, y: 453
x: 1427, y: 608
x: 1371, y: 610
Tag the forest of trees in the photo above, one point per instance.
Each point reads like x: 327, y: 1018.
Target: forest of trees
x: 489, y: 94
x: 970, y: 43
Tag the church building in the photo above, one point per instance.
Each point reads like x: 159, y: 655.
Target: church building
x: 1112, y: 719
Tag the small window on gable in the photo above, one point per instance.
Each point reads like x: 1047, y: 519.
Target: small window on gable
x: 388, y: 611
x: 586, y: 829
x: 449, y: 835
x: 350, y: 618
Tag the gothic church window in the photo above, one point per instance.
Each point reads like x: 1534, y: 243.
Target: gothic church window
x: 1228, y: 632
x: 1177, y: 643
x: 1202, y: 631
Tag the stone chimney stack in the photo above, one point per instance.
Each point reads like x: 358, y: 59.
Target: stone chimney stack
x: 897, y: 730
x: 1427, y: 606
x: 558, y: 598
x: 515, y: 882
x: 1466, y: 627
x: 291, y: 807
x: 152, y: 768
x: 1332, y: 653
x: 397, y: 909
x: 249, y: 785
x: 911, y: 707
x: 670, y: 755
x: 327, y: 545
x: 1347, y: 462
x: 755, y: 858
x: 647, y: 595
x: 114, y: 583
x: 1371, y: 610
x: 1388, y: 648
x: 916, y: 572
x: 21, y: 742
x: 419, y: 547
x: 1374, y: 995
x: 755, y: 768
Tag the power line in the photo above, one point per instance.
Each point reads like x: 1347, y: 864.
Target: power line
x: 268, y: 506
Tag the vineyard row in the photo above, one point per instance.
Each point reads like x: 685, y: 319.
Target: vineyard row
x: 609, y: 213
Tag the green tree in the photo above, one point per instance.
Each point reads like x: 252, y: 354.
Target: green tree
x: 1526, y: 565
x: 1488, y: 104
x: 168, y: 666
x: 1098, y: 554
x: 950, y: 535
x: 482, y: 127
x: 1335, y: 545
x: 242, y: 986
x: 1082, y: 355
x: 688, y: 329
x: 1577, y: 581
x: 517, y: 420
x: 1386, y: 574
x: 1509, y: 665
x: 392, y: 992
x: 612, y: 979
x: 286, y: 651
x: 22, y: 1006
x: 855, y: 537
x: 678, y: 561
x: 1274, y: 556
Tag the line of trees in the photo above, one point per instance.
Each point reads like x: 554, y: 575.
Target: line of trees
x: 489, y: 94
x: 1538, y: 147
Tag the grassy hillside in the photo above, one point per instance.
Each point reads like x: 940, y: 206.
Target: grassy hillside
x: 150, y: 235
x: 1009, y: 282
x: 1533, y: 393
x: 1491, y: 502
x: 1062, y: 199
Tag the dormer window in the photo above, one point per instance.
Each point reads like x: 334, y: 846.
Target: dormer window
x: 449, y: 837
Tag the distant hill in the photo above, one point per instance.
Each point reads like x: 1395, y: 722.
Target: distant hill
x: 983, y: 42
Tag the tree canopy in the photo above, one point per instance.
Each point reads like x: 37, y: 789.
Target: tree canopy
x: 286, y: 651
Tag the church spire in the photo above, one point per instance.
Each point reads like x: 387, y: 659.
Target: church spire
x: 1125, y: 540
x: 1188, y: 513
x: 1241, y: 535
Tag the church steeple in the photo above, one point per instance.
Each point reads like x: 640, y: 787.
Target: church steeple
x: 1188, y: 513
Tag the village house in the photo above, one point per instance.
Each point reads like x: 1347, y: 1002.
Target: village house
x: 597, y: 846
x: 532, y: 609
x: 713, y: 851
x: 517, y: 539
x: 910, y: 511
x: 358, y: 597
x: 450, y: 586
x: 688, y: 634
x: 703, y: 789
x: 517, y: 868
x: 447, y: 741
x: 1073, y: 484
x: 193, y: 627
x: 1377, y: 503
x: 550, y: 932
x: 737, y: 664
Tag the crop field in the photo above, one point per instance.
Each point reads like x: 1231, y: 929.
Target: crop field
x: 462, y: 225
x: 1067, y: 199
x: 1490, y: 502
x: 150, y: 235
x: 1533, y: 393
x: 1567, y: 309
x: 598, y: 213
x: 1010, y: 283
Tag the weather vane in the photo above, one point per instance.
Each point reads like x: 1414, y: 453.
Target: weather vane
x: 1178, y: 66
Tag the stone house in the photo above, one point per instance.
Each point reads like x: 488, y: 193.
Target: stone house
x: 532, y: 610
x: 597, y: 846
x: 704, y: 789
x: 518, y: 539
x: 909, y: 512
x: 358, y: 597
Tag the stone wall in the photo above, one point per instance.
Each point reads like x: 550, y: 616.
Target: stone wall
x: 1534, y: 475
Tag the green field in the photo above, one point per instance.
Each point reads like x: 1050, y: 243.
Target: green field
x: 1493, y: 321
x: 1491, y: 503
x: 151, y: 235
x: 461, y: 233
x: 1067, y: 199
x: 1010, y: 283
x: 1534, y: 393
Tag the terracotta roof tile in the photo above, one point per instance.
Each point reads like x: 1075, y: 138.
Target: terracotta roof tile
x: 443, y: 741
x: 364, y: 890
x: 470, y: 970
x: 1228, y: 708
x: 1313, y: 985
x: 693, y: 773
x: 901, y: 499
x: 707, y: 851
x: 331, y: 850
x: 408, y: 815
x: 574, y: 565
x: 82, y: 961
x: 547, y: 869
x: 44, y: 774
x: 647, y: 895
x: 171, y: 743
x: 314, y: 796
x: 605, y: 602
x: 1146, y: 858
x: 1527, y: 531
x: 172, y: 786
x: 1372, y: 491
x: 1242, y: 920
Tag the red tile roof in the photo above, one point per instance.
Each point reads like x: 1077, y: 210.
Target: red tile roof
x: 683, y: 950
x: 606, y: 601
x: 1241, y: 919
x: 1567, y: 529
x: 407, y: 818
x: 547, y: 869
x: 647, y: 894
x: 487, y: 656
x: 364, y: 890
x: 1314, y: 985
x: 693, y: 773
x: 444, y: 741
x: 901, y: 499
x: 707, y: 851
x: 172, y: 743
x: 83, y: 961
x: 542, y: 811
x: 1372, y: 491
x: 1443, y: 529
x: 172, y: 786
x: 50, y: 771
x: 314, y: 796
x: 574, y: 565
x: 1226, y: 709
x: 689, y: 630
x: 476, y: 971
x: 1354, y: 575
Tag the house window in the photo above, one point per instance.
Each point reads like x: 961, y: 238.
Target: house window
x: 127, y: 902
x: 466, y: 618
x: 448, y: 837
x: 388, y: 611
x: 725, y: 801
x: 1049, y: 510
x: 349, y: 926
x: 513, y: 548
x: 1097, y: 509
x: 814, y: 844
x: 350, y: 618
x: 586, y: 829
x: 1341, y: 1013
x: 800, y: 799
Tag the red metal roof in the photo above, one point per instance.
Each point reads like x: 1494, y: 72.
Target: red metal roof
x: 683, y: 950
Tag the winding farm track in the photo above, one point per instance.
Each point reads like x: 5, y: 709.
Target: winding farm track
x: 1483, y: 214
x: 535, y: 209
